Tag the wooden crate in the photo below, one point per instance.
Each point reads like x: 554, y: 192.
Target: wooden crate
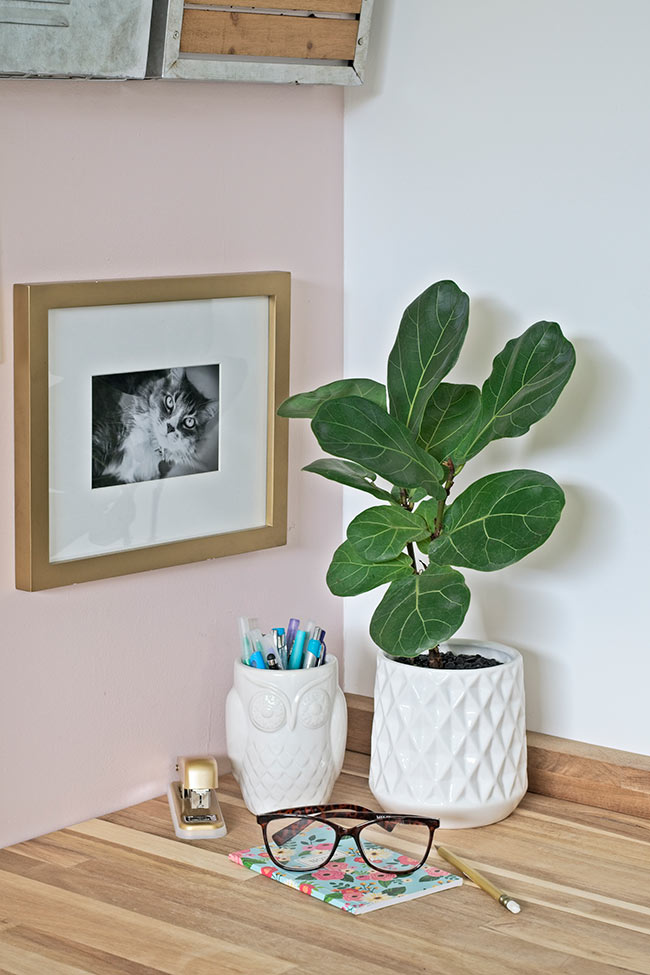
x: 300, y: 41
x: 74, y: 38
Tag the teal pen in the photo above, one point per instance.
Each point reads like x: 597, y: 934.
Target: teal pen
x: 295, y: 660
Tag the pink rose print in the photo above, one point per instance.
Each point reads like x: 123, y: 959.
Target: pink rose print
x: 306, y: 889
x: 331, y: 872
x: 377, y: 875
x: 407, y: 861
x: 434, y: 872
x: 267, y: 871
x: 352, y: 894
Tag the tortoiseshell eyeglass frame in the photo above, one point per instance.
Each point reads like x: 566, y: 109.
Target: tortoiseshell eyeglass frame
x: 322, y: 814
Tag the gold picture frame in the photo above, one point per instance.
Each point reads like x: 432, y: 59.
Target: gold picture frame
x: 234, y: 324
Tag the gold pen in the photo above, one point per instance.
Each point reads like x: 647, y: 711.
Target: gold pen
x: 480, y: 881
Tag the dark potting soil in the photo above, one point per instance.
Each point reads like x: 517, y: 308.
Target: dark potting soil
x: 446, y: 660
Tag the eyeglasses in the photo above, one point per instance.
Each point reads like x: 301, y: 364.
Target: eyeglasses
x: 306, y: 839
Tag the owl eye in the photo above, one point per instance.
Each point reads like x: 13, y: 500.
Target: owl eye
x: 314, y: 709
x: 169, y: 403
x: 267, y: 711
x: 189, y: 422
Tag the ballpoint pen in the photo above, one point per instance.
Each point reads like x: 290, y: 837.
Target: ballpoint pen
x: 312, y: 654
x: 280, y: 650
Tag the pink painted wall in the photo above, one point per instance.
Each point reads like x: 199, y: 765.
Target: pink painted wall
x: 102, y: 685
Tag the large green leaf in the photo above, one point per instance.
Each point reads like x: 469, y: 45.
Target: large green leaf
x: 380, y: 533
x: 306, y: 404
x: 428, y: 510
x: 448, y: 417
x: 526, y: 379
x: 428, y: 343
x: 361, y: 431
x: 349, y: 573
x: 419, y: 612
x: 498, y: 520
x: 351, y: 474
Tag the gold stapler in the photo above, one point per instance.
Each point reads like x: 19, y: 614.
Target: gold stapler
x: 193, y: 801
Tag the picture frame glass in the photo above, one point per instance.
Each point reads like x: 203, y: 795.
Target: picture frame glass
x: 158, y: 418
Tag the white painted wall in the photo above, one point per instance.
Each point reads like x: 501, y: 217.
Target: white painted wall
x: 506, y: 145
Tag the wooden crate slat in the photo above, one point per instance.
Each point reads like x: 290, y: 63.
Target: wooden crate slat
x: 267, y: 35
x: 324, y: 6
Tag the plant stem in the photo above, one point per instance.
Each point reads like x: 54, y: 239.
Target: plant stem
x: 411, y: 552
x: 434, y: 657
x: 440, y: 513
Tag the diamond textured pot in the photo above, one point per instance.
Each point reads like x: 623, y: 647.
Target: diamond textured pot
x: 450, y: 743
x: 285, y: 734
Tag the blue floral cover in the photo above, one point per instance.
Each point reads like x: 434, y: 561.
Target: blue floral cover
x: 347, y: 881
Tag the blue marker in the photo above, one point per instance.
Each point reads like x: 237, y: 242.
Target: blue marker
x: 295, y: 660
x: 257, y: 660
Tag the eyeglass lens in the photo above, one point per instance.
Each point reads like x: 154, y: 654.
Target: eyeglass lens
x: 393, y: 846
x: 300, y: 843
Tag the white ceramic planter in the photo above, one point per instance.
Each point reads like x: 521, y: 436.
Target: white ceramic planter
x: 450, y: 743
x: 285, y: 734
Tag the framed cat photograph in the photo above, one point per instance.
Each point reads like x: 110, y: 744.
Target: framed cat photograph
x: 146, y: 432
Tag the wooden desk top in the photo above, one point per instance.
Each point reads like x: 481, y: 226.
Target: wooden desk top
x: 121, y: 895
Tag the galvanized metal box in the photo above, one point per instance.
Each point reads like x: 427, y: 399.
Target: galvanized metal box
x: 74, y: 38
x: 291, y: 41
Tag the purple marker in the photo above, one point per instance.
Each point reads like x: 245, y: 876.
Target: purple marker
x: 291, y: 632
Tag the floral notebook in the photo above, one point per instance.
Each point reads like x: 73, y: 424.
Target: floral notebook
x: 348, y: 882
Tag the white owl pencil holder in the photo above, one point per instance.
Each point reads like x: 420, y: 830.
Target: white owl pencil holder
x: 285, y: 734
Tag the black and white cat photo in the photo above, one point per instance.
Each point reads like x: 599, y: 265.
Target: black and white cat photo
x: 154, y: 424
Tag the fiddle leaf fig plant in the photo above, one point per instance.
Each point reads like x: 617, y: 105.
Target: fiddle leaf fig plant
x: 417, y: 433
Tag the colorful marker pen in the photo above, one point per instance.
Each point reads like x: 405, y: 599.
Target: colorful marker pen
x: 291, y: 632
x: 257, y: 660
x: 295, y: 660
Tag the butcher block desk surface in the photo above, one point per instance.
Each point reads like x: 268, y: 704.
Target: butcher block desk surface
x: 120, y: 895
